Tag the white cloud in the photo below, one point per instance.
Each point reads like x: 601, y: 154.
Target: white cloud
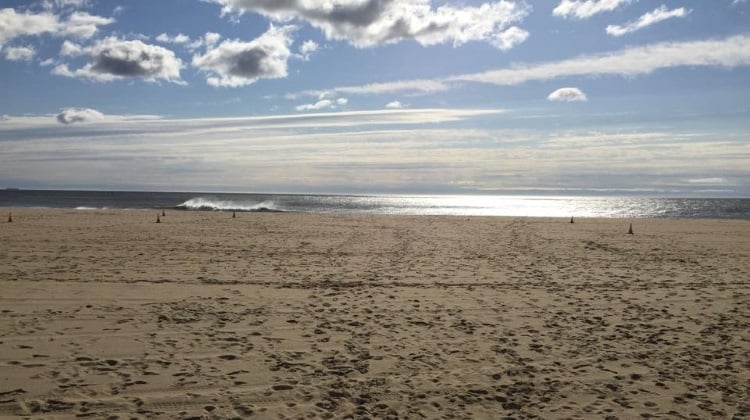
x: 730, y: 52
x: 367, y: 23
x: 394, y: 105
x: 727, y: 53
x: 318, y: 151
x: 208, y: 40
x: 113, y: 59
x: 70, y: 48
x: 61, y: 4
x: 568, y: 94
x: 584, y: 9
x: 414, y: 86
x: 14, y: 24
x: 321, y: 104
x: 151, y: 124
x: 655, y: 16
x: 83, y: 25
x: 47, y: 62
x: 177, y: 39
x: 235, y: 63
x: 25, y: 53
x: 78, y: 115
x: 707, y: 181
x: 78, y: 24
x: 307, y: 49
x: 509, y: 38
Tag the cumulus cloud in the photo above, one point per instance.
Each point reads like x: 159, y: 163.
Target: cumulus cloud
x: 177, y: 39
x: 78, y: 24
x: 584, y: 9
x: 25, y: 53
x: 368, y: 23
x: 208, y: 40
x: 509, y: 38
x: 394, y: 105
x: 655, y: 16
x: 307, y: 49
x: 323, y: 103
x: 113, y: 59
x: 78, y: 115
x: 70, y: 48
x: 14, y: 24
x: 235, y: 63
x: 568, y: 94
x: 83, y: 25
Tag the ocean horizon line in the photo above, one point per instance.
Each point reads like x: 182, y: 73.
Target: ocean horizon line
x: 544, y: 193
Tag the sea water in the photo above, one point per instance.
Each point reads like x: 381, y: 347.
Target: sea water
x: 457, y: 205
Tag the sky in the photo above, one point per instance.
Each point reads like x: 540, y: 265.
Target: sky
x: 610, y: 97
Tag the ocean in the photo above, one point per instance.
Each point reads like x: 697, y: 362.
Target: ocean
x: 457, y: 205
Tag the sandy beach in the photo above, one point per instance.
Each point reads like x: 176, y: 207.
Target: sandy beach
x: 107, y: 314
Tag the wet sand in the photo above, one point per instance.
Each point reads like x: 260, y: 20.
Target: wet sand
x: 108, y: 314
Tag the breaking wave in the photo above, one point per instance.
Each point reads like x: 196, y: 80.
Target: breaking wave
x: 213, y: 204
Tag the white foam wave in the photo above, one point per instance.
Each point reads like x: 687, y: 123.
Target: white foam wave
x: 207, y: 203
x: 90, y: 208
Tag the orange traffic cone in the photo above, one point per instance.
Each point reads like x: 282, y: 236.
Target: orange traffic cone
x: 630, y: 230
x: 234, y: 214
x: 571, y: 219
x: 157, y: 218
x: 10, y: 218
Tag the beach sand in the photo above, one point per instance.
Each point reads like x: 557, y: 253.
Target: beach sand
x: 106, y: 313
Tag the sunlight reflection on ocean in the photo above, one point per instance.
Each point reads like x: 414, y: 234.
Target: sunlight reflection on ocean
x: 541, y: 206
x: 454, y: 205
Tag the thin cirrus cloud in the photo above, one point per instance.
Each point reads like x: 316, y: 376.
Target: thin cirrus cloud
x: 115, y: 59
x: 657, y: 15
x: 370, y: 23
x: 584, y: 9
x: 235, y: 63
x: 727, y: 53
x: 567, y: 94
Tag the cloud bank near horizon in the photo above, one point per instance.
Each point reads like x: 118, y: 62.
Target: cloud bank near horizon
x: 404, y: 149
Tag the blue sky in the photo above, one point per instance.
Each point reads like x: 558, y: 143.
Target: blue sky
x: 564, y: 96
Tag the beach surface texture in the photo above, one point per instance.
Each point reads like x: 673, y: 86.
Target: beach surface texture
x: 107, y: 314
